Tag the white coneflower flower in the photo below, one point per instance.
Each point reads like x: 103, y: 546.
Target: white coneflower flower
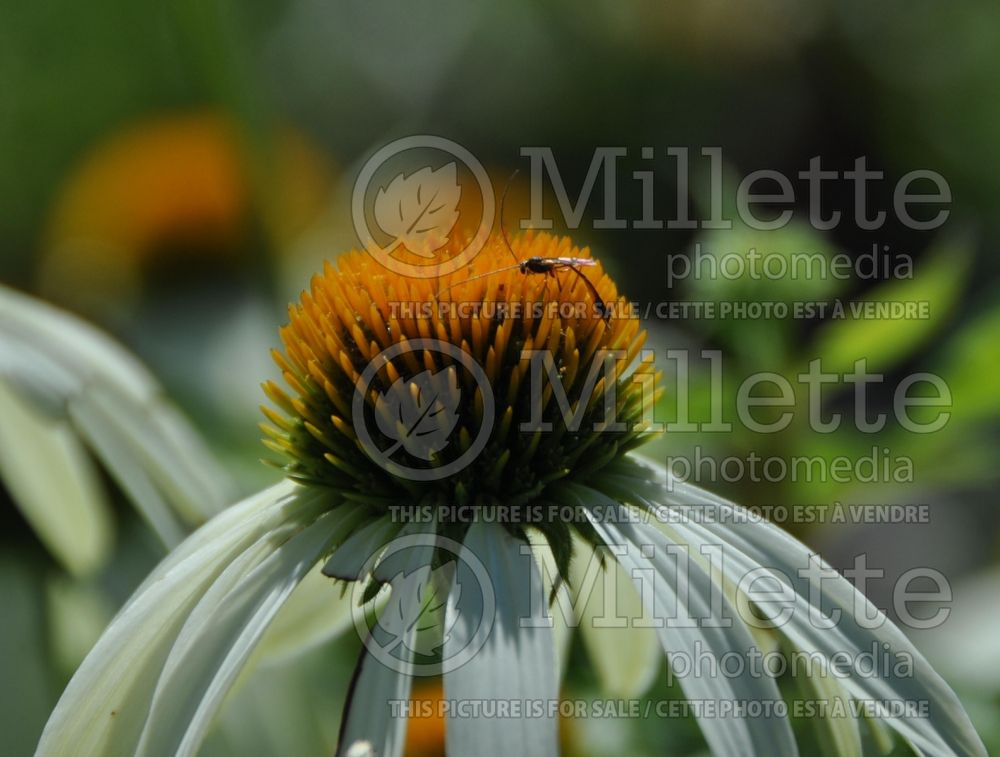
x: 153, y: 683
x: 66, y: 388
x: 70, y: 395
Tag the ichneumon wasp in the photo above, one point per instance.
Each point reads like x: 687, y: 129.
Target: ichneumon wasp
x: 545, y: 266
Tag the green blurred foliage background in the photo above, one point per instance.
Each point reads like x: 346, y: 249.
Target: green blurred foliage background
x: 175, y: 171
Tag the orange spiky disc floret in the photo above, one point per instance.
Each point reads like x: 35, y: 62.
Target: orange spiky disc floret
x: 358, y: 308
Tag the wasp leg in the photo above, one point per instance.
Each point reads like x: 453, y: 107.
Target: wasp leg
x: 560, y: 288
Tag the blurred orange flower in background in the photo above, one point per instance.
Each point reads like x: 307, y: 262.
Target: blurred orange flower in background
x: 425, y: 735
x: 181, y: 186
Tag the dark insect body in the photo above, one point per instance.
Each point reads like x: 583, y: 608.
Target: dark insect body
x: 545, y: 266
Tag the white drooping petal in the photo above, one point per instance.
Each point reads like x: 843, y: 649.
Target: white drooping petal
x: 626, y: 655
x: 100, y: 427
x: 380, y: 685
x: 641, y: 550
x: 361, y: 546
x: 967, y: 648
x: 836, y: 726
x: 318, y: 610
x: 750, y: 544
x: 369, y: 717
x: 70, y: 342
x: 78, y: 377
x: 222, y: 631
x: 561, y: 612
x: 515, y: 666
x: 53, y: 482
x: 105, y: 706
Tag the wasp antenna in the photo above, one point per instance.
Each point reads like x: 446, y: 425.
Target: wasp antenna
x: 437, y: 297
x: 503, y: 227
